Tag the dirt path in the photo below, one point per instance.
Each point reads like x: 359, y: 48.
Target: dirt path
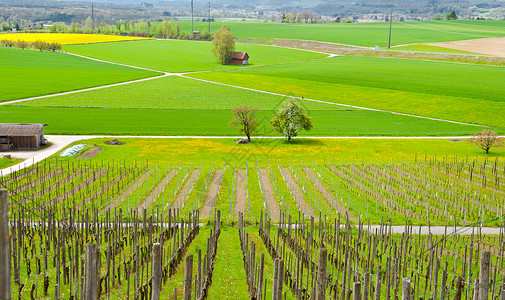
x: 90, y: 153
x: 103, y: 190
x: 186, y: 189
x: 57, y: 184
x: 119, y: 199
x: 157, y: 191
x: 212, y: 192
x: 273, y: 206
x: 240, y: 193
x: 83, y: 185
x: 488, y: 46
x: 38, y: 181
x: 297, y: 193
x: 329, y: 196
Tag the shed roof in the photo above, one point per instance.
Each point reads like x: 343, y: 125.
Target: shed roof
x: 240, y: 55
x: 20, y: 129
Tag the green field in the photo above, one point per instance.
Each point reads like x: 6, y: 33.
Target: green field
x: 183, y: 56
x: 119, y: 121
x: 29, y: 73
x: 430, y: 49
x: 208, y: 152
x: 365, y: 34
x: 128, y: 197
x: 182, y: 106
x: 460, y: 92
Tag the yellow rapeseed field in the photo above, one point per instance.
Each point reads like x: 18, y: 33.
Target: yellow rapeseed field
x: 66, y: 38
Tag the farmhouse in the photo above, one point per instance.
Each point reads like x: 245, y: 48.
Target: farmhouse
x: 21, y: 136
x: 240, y: 58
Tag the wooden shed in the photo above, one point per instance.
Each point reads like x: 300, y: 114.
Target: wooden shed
x: 21, y: 136
x: 240, y: 58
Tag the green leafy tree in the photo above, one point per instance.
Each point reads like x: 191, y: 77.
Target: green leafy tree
x: 487, y: 139
x: 118, y: 26
x: 75, y: 28
x: 437, y: 17
x: 5, y: 26
x: 451, y: 16
x: 223, y: 45
x: 290, y: 119
x: 245, y: 117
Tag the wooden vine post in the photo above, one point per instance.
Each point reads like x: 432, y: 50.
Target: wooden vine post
x: 485, y: 262
x: 321, y: 274
x: 5, y: 252
x: 92, y: 278
x: 406, y: 289
x: 188, y: 276
x: 357, y: 291
x: 156, y: 272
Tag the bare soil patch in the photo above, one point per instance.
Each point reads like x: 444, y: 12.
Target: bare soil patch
x: 297, y: 193
x: 84, y: 184
x: 104, y: 189
x: 240, y: 193
x: 39, y: 180
x: 157, y: 190
x: 338, y: 49
x: 90, y: 153
x: 18, y: 177
x: 114, y: 142
x: 273, y: 206
x: 59, y: 182
x: 129, y: 190
x: 327, y: 194
x: 212, y: 193
x: 488, y: 46
x: 186, y: 189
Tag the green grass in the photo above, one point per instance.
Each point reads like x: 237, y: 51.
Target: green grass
x: 365, y: 34
x: 206, y: 152
x: 183, y: 56
x: 460, y: 92
x: 117, y: 121
x: 7, y: 162
x: 183, y: 106
x: 29, y: 73
x: 431, y: 49
x: 169, y: 93
x: 229, y: 278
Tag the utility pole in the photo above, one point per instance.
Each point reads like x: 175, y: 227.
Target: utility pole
x: 92, y: 18
x: 192, y: 17
x: 390, y: 21
x: 208, y: 19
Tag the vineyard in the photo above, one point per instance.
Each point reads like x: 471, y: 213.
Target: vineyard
x: 298, y: 231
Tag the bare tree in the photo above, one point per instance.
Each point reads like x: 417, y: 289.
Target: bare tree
x: 245, y: 116
x: 487, y: 139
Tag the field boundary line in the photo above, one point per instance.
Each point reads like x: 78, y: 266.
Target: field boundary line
x: 114, y: 63
x: 334, y: 103
x: 447, y: 31
x: 86, y: 89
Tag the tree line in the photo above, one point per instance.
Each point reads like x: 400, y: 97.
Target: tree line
x: 39, y: 45
x: 164, y: 30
